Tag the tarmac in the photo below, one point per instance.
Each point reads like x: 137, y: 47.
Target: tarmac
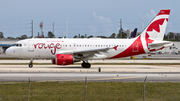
x: 96, y: 61
x: 118, y: 73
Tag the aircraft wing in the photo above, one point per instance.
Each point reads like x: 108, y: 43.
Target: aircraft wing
x: 88, y: 53
x: 94, y: 50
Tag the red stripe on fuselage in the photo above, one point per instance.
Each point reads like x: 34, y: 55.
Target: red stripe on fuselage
x: 130, y: 50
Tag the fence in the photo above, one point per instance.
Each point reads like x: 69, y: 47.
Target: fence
x: 88, y: 91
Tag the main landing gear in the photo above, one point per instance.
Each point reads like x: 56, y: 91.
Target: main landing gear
x: 31, y: 63
x: 86, y: 65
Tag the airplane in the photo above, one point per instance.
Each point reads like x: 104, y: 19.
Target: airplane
x: 133, y: 35
x: 66, y: 51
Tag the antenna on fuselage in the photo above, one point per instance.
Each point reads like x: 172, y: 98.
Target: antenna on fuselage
x: 32, y: 28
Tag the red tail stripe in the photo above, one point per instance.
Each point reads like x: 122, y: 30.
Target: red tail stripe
x: 129, y: 51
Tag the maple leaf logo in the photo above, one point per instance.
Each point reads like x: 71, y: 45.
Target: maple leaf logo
x: 155, y: 30
x: 152, y: 34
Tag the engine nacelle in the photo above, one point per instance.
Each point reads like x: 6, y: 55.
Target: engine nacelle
x: 63, y: 59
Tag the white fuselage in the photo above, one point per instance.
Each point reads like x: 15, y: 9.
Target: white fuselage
x: 48, y: 48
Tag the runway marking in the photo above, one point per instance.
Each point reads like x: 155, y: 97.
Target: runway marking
x: 118, y: 78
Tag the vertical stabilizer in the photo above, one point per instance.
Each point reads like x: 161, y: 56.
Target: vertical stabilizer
x: 156, y: 29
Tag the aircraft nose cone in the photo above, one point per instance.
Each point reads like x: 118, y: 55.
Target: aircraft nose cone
x: 8, y: 51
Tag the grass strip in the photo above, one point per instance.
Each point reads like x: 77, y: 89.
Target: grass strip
x: 8, y: 58
x: 96, y: 91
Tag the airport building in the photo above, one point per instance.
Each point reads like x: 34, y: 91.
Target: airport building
x: 5, y: 43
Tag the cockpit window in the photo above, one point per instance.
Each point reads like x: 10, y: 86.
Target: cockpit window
x: 18, y: 45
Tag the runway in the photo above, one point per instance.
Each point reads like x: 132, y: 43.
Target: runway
x: 118, y: 73
x: 96, y: 61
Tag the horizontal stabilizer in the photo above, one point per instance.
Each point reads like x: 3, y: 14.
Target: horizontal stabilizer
x: 160, y: 44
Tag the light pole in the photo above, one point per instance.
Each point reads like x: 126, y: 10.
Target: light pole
x: 64, y: 34
x: 67, y: 27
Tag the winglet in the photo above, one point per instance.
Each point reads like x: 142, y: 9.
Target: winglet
x: 115, y: 47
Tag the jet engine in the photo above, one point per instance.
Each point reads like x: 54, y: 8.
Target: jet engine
x: 63, y: 59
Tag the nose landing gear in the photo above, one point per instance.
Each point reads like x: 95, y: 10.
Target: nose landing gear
x: 31, y: 63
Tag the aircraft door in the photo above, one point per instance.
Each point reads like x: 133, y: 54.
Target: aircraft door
x: 31, y: 46
x: 135, y: 46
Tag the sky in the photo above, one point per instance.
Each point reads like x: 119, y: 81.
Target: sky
x: 91, y: 17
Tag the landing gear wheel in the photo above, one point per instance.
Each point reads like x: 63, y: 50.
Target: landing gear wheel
x: 83, y: 64
x: 30, y: 65
x: 86, y: 65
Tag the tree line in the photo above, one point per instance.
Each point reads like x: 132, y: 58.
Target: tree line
x: 171, y: 36
x: 51, y: 35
